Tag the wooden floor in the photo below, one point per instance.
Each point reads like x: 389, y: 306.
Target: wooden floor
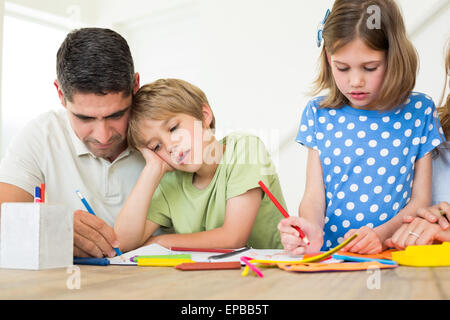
x: 128, y: 282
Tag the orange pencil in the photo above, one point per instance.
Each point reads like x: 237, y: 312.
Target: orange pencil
x: 283, y: 212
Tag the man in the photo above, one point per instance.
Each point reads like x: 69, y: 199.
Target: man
x: 84, y: 146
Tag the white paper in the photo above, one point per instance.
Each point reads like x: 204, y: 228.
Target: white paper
x: 259, y: 254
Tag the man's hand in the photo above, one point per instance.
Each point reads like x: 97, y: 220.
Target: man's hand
x: 92, y: 236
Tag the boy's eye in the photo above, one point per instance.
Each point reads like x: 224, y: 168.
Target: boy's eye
x: 173, y: 128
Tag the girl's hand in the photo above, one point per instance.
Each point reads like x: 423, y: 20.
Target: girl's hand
x: 433, y: 214
x: 418, y: 232
x: 367, y: 241
x: 155, y: 161
x: 291, y: 240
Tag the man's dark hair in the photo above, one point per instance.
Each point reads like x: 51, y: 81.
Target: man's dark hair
x: 94, y: 60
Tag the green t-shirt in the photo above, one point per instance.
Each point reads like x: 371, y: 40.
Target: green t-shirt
x: 179, y: 204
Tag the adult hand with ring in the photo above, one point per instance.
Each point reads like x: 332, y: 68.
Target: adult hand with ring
x: 418, y: 232
x: 439, y: 213
x: 414, y: 234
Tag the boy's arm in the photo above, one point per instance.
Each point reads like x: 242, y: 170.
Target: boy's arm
x: 132, y: 227
x: 240, y: 215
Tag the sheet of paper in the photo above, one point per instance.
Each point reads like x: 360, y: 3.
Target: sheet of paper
x: 259, y: 254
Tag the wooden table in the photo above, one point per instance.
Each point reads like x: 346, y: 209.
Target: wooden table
x: 129, y: 282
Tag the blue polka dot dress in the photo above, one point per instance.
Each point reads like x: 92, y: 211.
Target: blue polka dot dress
x: 368, y: 159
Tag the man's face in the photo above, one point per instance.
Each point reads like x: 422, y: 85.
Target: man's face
x: 100, y: 122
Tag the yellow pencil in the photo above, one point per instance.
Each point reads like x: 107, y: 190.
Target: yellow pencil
x: 161, y: 262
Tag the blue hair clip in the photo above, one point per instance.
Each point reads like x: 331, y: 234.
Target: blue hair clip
x: 320, y: 29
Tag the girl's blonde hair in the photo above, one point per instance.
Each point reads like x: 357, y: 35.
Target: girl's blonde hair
x: 444, y: 109
x: 348, y: 20
x: 161, y: 100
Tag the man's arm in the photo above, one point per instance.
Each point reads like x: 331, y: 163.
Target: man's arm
x: 11, y: 193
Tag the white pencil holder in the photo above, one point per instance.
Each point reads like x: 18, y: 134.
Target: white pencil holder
x: 35, y: 236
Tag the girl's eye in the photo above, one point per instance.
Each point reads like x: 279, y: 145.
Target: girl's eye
x: 156, y: 147
x: 370, y: 69
x: 173, y: 128
x: 343, y: 69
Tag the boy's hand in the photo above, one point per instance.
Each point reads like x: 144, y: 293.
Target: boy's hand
x: 291, y: 240
x: 367, y: 241
x: 152, y: 159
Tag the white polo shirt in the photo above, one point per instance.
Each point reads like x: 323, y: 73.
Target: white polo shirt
x: 48, y: 151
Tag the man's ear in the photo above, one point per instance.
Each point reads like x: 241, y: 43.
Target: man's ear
x: 207, y: 115
x: 60, y: 93
x: 136, y: 82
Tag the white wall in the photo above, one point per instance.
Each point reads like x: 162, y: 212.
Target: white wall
x: 255, y: 59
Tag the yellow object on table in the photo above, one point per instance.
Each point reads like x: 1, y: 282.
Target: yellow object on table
x: 161, y: 262
x: 435, y: 255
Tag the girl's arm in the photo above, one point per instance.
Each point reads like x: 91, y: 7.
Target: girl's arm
x: 371, y: 241
x: 311, y: 212
x: 240, y: 215
x: 312, y: 206
x: 132, y: 227
x: 420, y: 197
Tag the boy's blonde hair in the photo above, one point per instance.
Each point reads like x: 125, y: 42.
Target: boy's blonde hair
x: 161, y: 100
x: 444, y: 109
x: 347, y: 21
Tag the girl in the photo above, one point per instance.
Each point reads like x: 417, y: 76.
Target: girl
x: 369, y: 139
x: 431, y: 224
x: 207, y: 190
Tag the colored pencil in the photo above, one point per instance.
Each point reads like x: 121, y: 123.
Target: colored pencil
x: 89, y: 209
x: 228, y: 254
x: 283, y: 212
x: 43, y: 192
x: 37, y: 195
x: 208, y: 266
x: 150, y: 262
x: 201, y: 249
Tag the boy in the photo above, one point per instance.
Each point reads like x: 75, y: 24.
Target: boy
x: 207, y: 190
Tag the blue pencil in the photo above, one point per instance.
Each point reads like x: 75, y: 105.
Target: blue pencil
x: 89, y: 209
x: 361, y: 259
x: 86, y: 204
x: 91, y: 261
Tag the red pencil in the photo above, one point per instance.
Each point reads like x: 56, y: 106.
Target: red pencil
x: 284, y: 212
x: 201, y: 249
x: 209, y: 266
x: 42, y: 192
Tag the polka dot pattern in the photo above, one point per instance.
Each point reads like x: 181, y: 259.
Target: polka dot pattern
x: 368, y: 159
